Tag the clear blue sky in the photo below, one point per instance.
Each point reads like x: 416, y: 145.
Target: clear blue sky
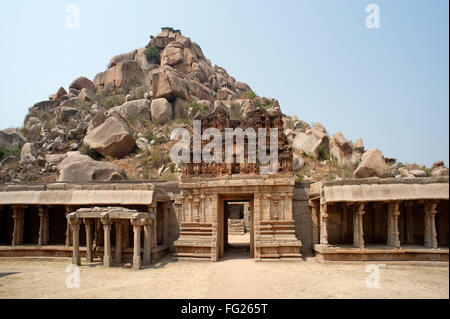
x: 387, y: 85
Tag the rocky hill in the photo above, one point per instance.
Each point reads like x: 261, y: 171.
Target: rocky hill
x: 118, y: 125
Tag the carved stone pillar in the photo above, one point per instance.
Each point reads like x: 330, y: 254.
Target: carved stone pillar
x: 118, y: 250
x: 147, y: 242
x: 323, y: 224
x: 88, y: 226
x: 18, y: 216
x: 69, y: 210
x: 137, y: 244
x: 358, y: 231
x: 393, y: 238
x: 43, y: 226
x: 315, y: 222
x: 430, y: 235
x: 107, y: 258
x: 152, y: 209
x: 75, y: 227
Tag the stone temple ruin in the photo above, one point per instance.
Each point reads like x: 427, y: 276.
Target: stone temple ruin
x: 120, y: 221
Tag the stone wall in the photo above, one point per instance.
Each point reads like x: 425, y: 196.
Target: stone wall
x: 302, y: 217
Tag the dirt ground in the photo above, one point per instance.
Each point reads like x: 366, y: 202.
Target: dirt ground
x: 235, y: 276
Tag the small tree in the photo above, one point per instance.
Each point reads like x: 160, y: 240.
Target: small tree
x: 152, y: 54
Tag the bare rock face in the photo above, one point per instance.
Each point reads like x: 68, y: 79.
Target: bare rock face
x: 112, y: 138
x: 86, y: 95
x: 372, y: 165
x: 78, y: 168
x: 161, y: 111
x: 172, y: 54
x: 359, y: 145
x: 124, y: 73
x: 61, y: 91
x: 82, y: 83
x: 96, y: 121
x: 133, y: 109
x: 298, y: 162
x: 122, y: 57
x: 311, y: 142
x: 11, y: 138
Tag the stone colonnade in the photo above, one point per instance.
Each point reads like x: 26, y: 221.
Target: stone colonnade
x: 320, y: 223
x: 120, y: 217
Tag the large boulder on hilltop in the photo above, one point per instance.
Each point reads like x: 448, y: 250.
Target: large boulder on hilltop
x: 82, y: 83
x: 132, y: 109
x: 112, y: 138
x: 68, y: 159
x: 122, y: 57
x: 200, y: 91
x: 314, y: 142
x: 90, y: 170
x: 172, y: 54
x: 61, y: 91
x: 161, y: 111
x: 33, y: 125
x: 123, y: 74
x: 96, y: 121
x: 161, y: 85
x: 86, y: 95
x: 11, y: 138
x: 359, y: 145
x: 372, y: 164
x: 342, y: 143
x: 168, y: 85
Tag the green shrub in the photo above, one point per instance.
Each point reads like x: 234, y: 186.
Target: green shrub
x: 152, y: 54
x: 197, y: 106
x: 248, y: 95
x: 6, y: 152
x: 323, y: 155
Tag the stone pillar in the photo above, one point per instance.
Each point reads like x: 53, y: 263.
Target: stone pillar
x: 88, y: 225
x: 107, y: 258
x: 43, y: 226
x: 430, y: 234
x: 152, y: 209
x: 118, y: 250
x: 68, y: 229
x: 137, y: 244
x: 358, y: 231
x: 315, y: 222
x: 147, y: 242
x: 18, y: 216
x: 323, y: 224
x: 166, y: 210
x: 74, y: 222
x: 393, y: 238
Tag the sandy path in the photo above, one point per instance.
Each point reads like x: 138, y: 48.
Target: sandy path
x: 233, y: 277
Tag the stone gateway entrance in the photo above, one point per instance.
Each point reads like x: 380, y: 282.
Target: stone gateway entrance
x: 202, y: 223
